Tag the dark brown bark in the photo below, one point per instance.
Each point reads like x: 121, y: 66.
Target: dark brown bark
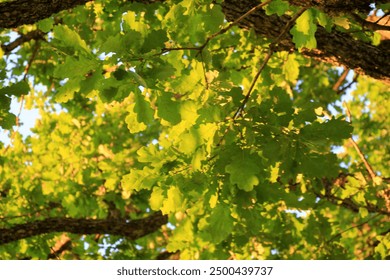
x: 333, y: 47
x: 337, y: 6
x: 19, y: 12
x: 132, y: 229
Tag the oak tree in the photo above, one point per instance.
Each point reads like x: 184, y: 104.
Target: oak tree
x: 196, y: 129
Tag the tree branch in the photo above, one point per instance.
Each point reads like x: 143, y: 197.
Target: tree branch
x: 132, y: 229
x: 33, y: 35
x: 335, y: 47
x: 19, y: 12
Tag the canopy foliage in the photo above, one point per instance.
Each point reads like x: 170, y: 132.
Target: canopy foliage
x: 195, y: 129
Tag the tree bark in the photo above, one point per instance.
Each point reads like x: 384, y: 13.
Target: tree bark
x: 335, y: 47
x: 19, y: 12
x: 132, y: 229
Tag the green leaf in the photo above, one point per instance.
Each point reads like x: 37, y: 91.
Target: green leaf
x: 155, y: 40
x: 334, y: 130
x: 278, y: 7
x: 219, y: 225
x: 173, y: 202
x: 139, y: 179
x: 138, y: 78
x: 67, y: 91
x: 244, y: 171
x: 291, y: 68
x: 168, y: 109
x: 324, y: 20
x: 156, y: 198
x: 46, y: 24
x: 70, y: 39
x: 304, y: 31
x: 7, y: 120
x: 18, y: 89
x: 140, y: 114
x: 75, y: 67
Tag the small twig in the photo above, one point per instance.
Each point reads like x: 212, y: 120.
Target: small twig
x: 33, y: 55
x: 366, y: 164
x: 271, y: 50
x: 204, y: 71
x: 340, y: 80
x: 33, y: 35
x: 348, y: 229
x: 348, y: 85
x: 370, y: 25
x: 221, y: 31
x: 358, y: 150
x: 26, y: 69
x: 246, y: 99
x: 225, y: 29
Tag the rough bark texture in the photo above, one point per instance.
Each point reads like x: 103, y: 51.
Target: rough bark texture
x: 334, y: 47
x: 337, y: 48
x: 19, y: 12
x: 337, y: 6
x: 132, y: 230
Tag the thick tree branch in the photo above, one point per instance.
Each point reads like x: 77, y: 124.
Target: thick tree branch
x: 333, y: 7
x: 19, y: 12
x: 132, y: 229
x: 334, y: 47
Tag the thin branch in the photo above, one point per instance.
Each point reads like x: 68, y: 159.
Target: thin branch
x: 204, y: 71
x: 225, y: 29
x: 355, y: 226
x: 348, y: 85
x: 358, y: 150
x: 374, y: 26
x: 33, y: 55
x: 33, y: 35
x: 65, y: 244
x: 271, y: 50
x: 247, y: 96
x: 266, y: 59
x: 221, y: 31
x: 361, y: 155
x: 340, y: 80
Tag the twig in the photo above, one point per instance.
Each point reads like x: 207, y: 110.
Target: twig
x: 348, y: 229
x: 366, y: 164
x: 223, y: 30
x: 204, y: 71
x: 271, y: 50
x: 246, y: 99
x: 26, y: 69
x: 33, y: 35
x: 349, y: 84
x: 358, y: 150
x: 370, y: 25
x: 33, y: 55
x: 340, y: 80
